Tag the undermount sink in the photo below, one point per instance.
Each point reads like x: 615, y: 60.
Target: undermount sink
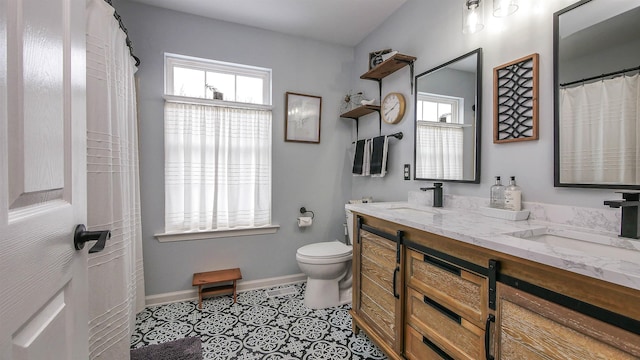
x: 420, y: 211
x: 573, y: 242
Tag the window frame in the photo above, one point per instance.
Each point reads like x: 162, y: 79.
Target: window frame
x: 189, y: 62
x: 170, y: 62
x: 457, y: 106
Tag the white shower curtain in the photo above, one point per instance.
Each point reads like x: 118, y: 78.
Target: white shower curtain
x: 116, y: 285
x: 600, y: 132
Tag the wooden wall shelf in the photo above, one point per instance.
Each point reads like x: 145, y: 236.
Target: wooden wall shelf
x: 388, y: 67
x: 360, y: 111
x: 382, y: 70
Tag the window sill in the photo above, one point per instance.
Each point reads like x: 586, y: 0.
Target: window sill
x: 211, y: 102
x: 442, y: 124
x: 213, y: 234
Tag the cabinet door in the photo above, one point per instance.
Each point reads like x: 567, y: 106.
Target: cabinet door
x: 378, y: 302
x: 529, y: 327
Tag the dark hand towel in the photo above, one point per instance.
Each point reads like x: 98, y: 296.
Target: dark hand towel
x: 378, y: 156
x: 358, y: 158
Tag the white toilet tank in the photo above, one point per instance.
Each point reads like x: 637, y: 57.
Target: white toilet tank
x: 350, y: 226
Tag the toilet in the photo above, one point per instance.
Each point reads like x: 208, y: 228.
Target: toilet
x: 328, y: 269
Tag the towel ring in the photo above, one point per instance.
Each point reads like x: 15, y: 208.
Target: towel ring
x: 303, y: 210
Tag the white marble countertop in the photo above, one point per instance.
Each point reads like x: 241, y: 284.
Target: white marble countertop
x: 597, y: 254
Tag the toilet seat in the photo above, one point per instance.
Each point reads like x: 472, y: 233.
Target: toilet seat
x: 325, y: 250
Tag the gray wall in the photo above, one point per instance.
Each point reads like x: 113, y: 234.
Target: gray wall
x: 432, y: 31
x: 318, y: 176
x: 308, y: 175
x: 606, y: 61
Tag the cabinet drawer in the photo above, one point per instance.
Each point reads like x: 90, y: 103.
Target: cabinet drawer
x: 464, y: 292
x: 417, y: 349
x: 442, y: 326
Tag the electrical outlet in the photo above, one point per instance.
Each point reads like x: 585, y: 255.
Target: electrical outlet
x: 407, y: 171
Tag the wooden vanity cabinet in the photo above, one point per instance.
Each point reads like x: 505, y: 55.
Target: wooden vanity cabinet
x: 448, y: 293
x: 530, y: 327
x: 377, y: 306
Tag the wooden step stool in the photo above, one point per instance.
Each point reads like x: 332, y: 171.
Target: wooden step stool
x: 215, y: 277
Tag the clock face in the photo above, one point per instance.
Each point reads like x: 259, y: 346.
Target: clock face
x: 392, y: 108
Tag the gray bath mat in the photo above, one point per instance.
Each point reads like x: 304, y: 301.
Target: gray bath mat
x: 189, y: 348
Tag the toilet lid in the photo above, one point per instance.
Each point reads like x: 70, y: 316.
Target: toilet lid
x: 325, y: 249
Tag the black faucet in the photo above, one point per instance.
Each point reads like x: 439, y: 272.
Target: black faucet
x: 630, y: 215
x: 437, y: 194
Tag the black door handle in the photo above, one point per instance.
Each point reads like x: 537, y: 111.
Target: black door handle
x: 487, y: 337
x: 81, y: 236
x: 395, y: 272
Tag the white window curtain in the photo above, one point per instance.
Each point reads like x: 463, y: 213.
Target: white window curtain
x: 439, y: 151
x: 217, y: 167
x: 116, y: 283
x: 600, y: 132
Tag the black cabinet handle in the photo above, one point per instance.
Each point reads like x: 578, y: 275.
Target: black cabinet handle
x: 487, y: 336
x: 436, y: 349
x: 395, y: 272
x: 81, y: 236
x: 443, y: 310
x: 442, y: 265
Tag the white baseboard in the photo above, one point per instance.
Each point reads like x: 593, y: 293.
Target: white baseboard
x: 242, y: 286
x: 270, y: 282
x: 172, y: 297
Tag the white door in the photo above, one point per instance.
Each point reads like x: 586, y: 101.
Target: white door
x: 43, y: 279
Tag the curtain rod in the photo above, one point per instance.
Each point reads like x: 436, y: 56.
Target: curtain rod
x: 398, y: 135
x: 601, y: 76
x: 124, y: 29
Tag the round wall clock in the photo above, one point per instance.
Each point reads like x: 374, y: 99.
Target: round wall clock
x: 392, y: 108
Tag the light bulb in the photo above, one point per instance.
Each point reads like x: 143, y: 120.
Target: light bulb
x: 472, y: 15
x: 502, y: 8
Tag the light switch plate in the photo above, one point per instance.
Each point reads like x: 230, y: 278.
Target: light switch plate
x: 407, y: 171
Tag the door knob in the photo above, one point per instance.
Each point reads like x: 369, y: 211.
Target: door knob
x: 81, y: 236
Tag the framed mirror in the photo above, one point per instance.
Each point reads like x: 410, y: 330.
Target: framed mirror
x: 447, y: 121
x: 597, y: 94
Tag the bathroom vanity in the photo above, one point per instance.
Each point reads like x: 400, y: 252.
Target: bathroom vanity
x: 454, y: 284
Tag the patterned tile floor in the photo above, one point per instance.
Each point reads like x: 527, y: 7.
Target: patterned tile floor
x: 257, y: 327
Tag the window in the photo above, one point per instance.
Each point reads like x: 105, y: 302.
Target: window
x: 216, y: 80
x: 439, y: 137
x: 439, y: 108
x: 217, y: 147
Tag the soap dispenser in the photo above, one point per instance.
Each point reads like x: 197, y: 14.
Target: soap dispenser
x: 496, y: 199
x: 513, y: 196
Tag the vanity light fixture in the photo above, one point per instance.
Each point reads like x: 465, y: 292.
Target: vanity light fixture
x: 472, y: 16
x: 502, y: 8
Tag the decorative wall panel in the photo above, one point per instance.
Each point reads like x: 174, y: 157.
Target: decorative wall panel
x: 515, y: 106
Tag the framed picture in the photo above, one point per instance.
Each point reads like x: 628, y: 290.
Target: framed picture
x: 302, y: 120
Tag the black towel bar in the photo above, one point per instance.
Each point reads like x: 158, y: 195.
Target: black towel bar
x: 398, y: 135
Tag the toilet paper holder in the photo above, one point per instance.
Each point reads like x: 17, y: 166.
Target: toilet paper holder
x: 304, y: 210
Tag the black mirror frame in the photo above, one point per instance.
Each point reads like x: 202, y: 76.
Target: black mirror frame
x: 556, y: 111
x: 478, y: 117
